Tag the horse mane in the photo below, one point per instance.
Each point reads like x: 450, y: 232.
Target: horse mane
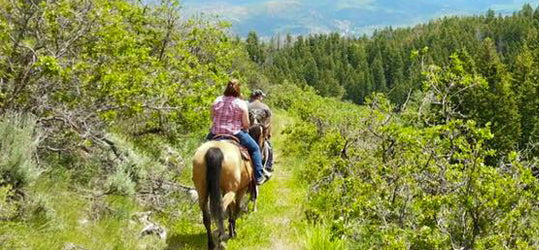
x: 256, y: 131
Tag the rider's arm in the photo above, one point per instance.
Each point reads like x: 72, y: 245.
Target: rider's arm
x: 244, y: 115
x: 213, y: 105
x: 269, y: 115
x: 245, y: 119
x: 269, y: 130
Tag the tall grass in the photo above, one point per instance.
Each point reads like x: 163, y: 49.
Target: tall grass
x: 319, y: 238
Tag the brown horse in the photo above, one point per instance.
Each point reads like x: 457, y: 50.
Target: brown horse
x: 218, y: 168
x: 259, y: 135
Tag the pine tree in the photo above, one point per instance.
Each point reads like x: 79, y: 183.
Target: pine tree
x: 497, y: 104
x: 527, y: 11
x: 379, y: 79
x: 526, y: 87
x: 254, y: 48
x: 310, y: 72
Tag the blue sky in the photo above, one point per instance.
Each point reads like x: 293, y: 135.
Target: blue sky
x: 269, y: 17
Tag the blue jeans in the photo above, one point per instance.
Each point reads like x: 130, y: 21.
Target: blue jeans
x: 254, y: 150
x: 269, y: 161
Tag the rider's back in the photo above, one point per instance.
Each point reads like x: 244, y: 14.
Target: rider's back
x: 227, y: 112
x: 259, y: 112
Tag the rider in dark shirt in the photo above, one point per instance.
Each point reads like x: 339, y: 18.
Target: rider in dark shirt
x: 260, y: 113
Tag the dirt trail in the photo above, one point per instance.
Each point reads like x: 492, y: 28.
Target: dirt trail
x: 287, y: 204
x: 276, y: 224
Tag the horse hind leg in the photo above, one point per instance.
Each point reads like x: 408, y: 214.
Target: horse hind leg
x: 228, y: 205
x: 254, y: 197
x: 203, y: 203
x: 232, y: 214
x: 206, y: 217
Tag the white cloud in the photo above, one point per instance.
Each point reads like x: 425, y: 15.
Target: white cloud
x: 355, y: 4
x: 343, y: 26
x: 511, y: 6
x: 229, y: 11
x: 281, y: 7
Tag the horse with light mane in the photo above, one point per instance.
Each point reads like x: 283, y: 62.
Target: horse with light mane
x: 257, y: 132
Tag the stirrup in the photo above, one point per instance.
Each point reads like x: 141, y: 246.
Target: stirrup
x: 267, y: 174
x: 260, y: 182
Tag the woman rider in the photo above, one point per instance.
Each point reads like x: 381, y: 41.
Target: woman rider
x: 230, y: 116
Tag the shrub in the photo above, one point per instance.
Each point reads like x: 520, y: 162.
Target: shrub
x: 8, y: 208
x: 18, y: 142
x: 39, y: 210
x: 120, y: 182
x: 384, y: 182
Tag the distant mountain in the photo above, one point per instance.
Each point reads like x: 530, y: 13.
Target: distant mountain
x: 269, y: 17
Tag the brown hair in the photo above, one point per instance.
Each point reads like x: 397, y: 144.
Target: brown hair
x: 233, y: 88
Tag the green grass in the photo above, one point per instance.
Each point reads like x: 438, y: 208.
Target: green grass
x: 57, y: 215
x: 278, y: 223
x: 319, y: 238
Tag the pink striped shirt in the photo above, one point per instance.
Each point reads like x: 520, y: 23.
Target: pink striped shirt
x: 227, y: 115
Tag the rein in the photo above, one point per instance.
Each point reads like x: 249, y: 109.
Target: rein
x: 257, y: 125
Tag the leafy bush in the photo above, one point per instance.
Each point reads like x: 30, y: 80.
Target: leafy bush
x: 133, y: 168
x: 417, y: 180
x: 87, y: 69
x: 91, y: 66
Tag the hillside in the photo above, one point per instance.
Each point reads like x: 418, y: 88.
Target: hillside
x: 347, y: 17
x: 397, y: 62
x: 415, y: 138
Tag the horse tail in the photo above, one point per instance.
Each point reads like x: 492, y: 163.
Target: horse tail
x: 214, y: 160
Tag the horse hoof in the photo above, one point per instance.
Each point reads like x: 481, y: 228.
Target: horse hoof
x: 225, y: 237
x: 222, y: 245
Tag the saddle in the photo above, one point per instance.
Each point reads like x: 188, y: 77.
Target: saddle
x: 234, y: 140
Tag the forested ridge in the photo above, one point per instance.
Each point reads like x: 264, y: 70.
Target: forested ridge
x: 423, y: 137
x: 442, y: 153
x: 504, y: 50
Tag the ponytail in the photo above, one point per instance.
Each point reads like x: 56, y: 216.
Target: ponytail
x: 233, y: 88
